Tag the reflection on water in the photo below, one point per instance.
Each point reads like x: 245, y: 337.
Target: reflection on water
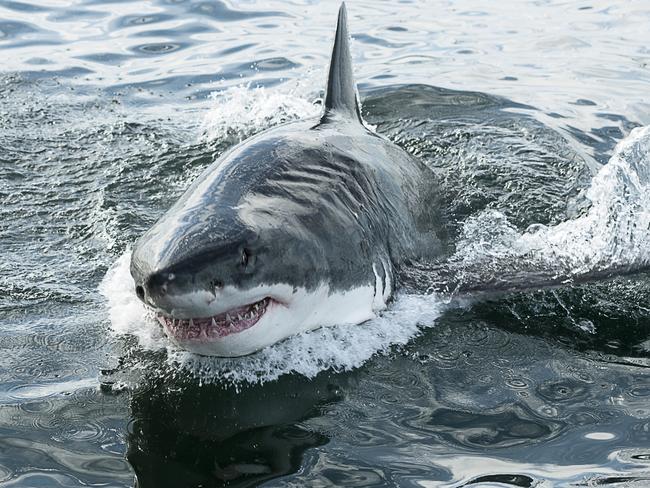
x: 468, y: 399
x: 465, y: 399
x: 212, y: 436
x: 106, y: 113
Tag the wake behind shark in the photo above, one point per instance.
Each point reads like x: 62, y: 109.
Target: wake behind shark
x: 299, y: 227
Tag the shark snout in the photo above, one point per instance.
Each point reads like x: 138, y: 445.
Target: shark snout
x: 154, y: 287
x: 179, y: 294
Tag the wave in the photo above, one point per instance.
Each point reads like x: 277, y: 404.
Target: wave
x: 611, y: 236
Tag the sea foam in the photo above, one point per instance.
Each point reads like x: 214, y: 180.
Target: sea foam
x: 613, y: 233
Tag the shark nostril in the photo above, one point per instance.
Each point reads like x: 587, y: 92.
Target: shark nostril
x: 139, y: 290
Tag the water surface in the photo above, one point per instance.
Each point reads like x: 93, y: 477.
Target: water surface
x: 109, y: 109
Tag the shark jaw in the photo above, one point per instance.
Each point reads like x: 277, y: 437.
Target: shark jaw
x: 237, y: 323
x: 210, y: 328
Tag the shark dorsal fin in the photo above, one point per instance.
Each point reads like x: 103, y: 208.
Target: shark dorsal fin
x: 341, y: 97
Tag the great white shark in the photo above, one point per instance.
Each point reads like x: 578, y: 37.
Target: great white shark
x: 299, y: 227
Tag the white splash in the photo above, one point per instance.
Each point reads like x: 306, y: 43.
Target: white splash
x: 338, y: 348
x: 241, y: 111
x: 127, y: 314
x: 613, y: 233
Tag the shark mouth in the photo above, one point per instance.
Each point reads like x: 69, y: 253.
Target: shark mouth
x: 211, y: 328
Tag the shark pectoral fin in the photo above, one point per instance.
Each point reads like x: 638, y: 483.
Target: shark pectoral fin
x: 341, y: 97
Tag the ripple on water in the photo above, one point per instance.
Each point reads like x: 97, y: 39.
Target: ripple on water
x: 633, y: 456
x: 359, y: 476
x: 26, y: 392
x: 39, y: 414
x: 491, y: 429
x: 221, y: 11
x: 462, y: 346
x: 79, y: 176
x: 135, y: 20
x: 518, y: 382
x: 37, y: 407
x: 81, y: 430
x: 563, y: 391
x: 158, y: 48
x: 639, y: 391
x: 51, y: 460
x: 5, y: 473
x: 13, y: 29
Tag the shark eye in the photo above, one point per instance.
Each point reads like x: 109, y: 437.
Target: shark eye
x: 245, y: 255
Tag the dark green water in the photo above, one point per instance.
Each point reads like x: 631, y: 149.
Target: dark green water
x: 519, y: 360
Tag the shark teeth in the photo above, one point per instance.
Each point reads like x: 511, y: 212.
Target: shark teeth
x: 217, y: 326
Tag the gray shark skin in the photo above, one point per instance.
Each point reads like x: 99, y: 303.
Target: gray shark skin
x: 298, y: 227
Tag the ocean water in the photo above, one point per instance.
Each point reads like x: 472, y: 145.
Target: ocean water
x: 519, y: 359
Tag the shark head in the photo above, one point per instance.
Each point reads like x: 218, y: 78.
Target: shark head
x: 274, y: 238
